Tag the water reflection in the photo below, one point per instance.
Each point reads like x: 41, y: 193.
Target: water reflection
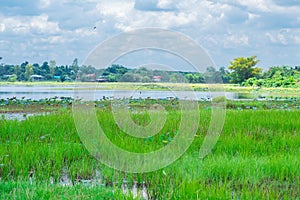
x: 42, y: 92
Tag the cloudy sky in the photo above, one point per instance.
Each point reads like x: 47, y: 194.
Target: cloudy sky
x: 39, y: 30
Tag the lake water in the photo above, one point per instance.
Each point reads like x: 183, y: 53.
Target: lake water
x: 89, y: 93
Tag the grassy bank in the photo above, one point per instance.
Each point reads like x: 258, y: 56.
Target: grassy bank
x: 257, y: 157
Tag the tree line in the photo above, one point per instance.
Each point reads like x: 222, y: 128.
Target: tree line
x: 49, y: 71
x: 241, y: 71
x: 245, y: 73
x: 115, y: 73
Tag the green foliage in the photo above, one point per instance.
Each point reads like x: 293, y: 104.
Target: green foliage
x: 46, y: 70
x: 112, y: 78
x: 177, y: 78
x: 114, y: 73
x: 225, y: 75
x: 212, y: 75
x: 6, y: 70
x: 37, y: 190
x: 280, y: 76
x: 13, y: 78
x: 18, y: 72
x: 195, y: 78
x: 244, y: 68
x: 28, y: 72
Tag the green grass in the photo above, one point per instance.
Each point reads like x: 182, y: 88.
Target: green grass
x: 257, y: 157
x: 23, y: 190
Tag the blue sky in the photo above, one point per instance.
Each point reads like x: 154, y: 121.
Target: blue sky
x: 38, y: 30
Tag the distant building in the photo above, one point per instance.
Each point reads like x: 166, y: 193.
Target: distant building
x: 5, y: 77
x: 67, y: 78
x: 102, y: 79
x: 36, y: 77
x: 88, y: 78
x: 157, y: 78
x: 56, y: 77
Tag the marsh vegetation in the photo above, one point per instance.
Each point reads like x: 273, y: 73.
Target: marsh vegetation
x: 257, y: 155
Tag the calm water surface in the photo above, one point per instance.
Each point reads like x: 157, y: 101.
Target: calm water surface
x: 88, y: 92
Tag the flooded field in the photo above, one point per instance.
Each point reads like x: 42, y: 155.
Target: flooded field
x: 43, y: 156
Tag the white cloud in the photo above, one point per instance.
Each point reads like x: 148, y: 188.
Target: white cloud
x: 244, y: 27
x: 166, y: 4
x: 44, y: 3
x: 82, y: 32
x: 297, y: 39
x: 24, y: 25
x: 271, y: 37
x: 2, y: 27
x: 257, y: 5
x: 42, y: 24
x: 125, y: 17
x: 233, y: 41
x: 284, y: 37
x: 118, y: 9
x: 56, y: 40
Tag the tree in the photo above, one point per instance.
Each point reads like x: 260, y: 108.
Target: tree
x: 37, y: 69
x: 17, y: 72
x: 28, y: 72
x: 115, y: 72
x: 130, y: 77
x: 195, y: 78
x: 45, y: 69
x: 244, y: 68
x: 75, y: 63
x: 74, y: 69
x: 212, y: 75
x: 52, y: 66
x: 224, y: 75
x: 143, y: 71
x: 177, y: 78
x: 13, y: 78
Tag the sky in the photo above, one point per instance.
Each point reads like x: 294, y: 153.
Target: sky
x: 61, y: 30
